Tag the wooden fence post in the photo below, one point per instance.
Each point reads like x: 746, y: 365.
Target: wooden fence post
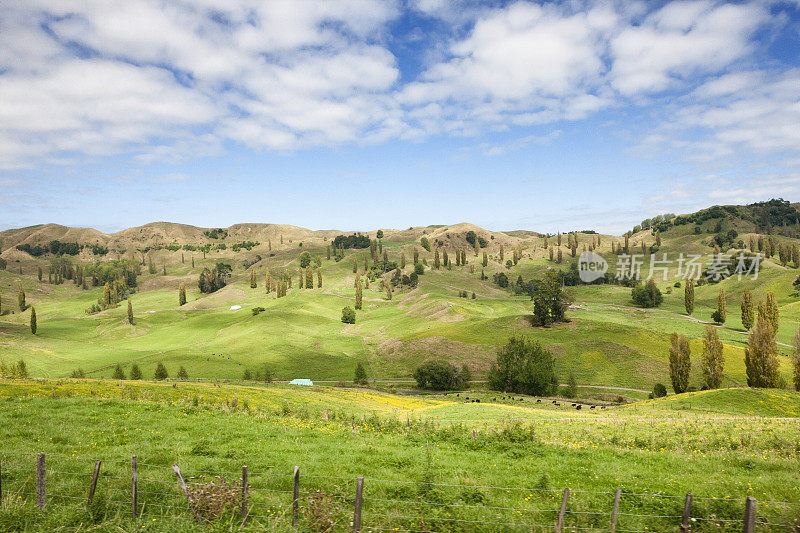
x: 296, y: 498
x: 244, y: 494
x: 750, y: 515
x: 93, y: 484
x: 562, y: 511
x: 687, y: 512
x: 134, y: 487
x: 359, y: 502
x: 41, y: 488
x: 615, y: 511
x: 185, y: 490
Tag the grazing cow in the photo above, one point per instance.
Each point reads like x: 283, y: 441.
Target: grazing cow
x: 554, y: 401
x: 592, y: 407
x: 538, y: 401
x: 477, y: 401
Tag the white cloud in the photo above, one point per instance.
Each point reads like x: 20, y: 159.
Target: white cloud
x: 167, y: 81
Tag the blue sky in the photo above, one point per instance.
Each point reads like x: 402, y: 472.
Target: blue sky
x: 360, y: 114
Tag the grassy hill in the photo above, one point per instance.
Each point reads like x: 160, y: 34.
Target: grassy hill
x: 608, y: 341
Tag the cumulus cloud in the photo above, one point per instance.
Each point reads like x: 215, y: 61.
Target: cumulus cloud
x: 167, y: 81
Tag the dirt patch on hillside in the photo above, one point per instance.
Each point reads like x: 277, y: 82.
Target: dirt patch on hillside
x: 168, y: 282
x: 221, y: 298
x: 478, y: 357
x: 418, y: 306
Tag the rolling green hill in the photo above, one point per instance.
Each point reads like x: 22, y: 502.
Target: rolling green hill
x: 608, y: 341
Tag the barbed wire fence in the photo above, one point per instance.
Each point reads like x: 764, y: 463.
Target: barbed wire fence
x: 277, y: 500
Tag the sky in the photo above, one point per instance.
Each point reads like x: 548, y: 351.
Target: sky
x: 357, y: 115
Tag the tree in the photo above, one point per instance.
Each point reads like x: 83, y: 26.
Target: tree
x: 485, y: 261
x: 659, y: 390
x: 361, y: 375
x: 39, y: 273
x: 305, y: 259
x: 438, y: 375
x: 309, y: 278
x: 773, y: 315
x: 253, y: 283
x: 465, y: 375
x: 379, y: 234
x: 348, y: 315
x: 523, y: 366
x: 300, y: 278
x: 416, y: 256
x: 761, y: 356
x: 319, y: 278
x: 136, y: 373
x: 182, y: 294
x: 358, y: 293
x: 161, y: 372
x: 130, y: 313
x: 183, y: 375
x: 33, y: 320
x: 425, y: 244
x: 21, y: 299
x: 550, y: 302
x: 713, y: 362
x: 118, y: 373
x: 268, y: 281
x: 647, y: 295
x: 796, y: 361
x: 680, y: 363
x: 436, y: 263
x: 721, y: 313
x: 748, y: 315
x: 688, y: 296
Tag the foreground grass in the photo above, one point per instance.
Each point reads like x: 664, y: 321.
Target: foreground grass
x: 497, y: 475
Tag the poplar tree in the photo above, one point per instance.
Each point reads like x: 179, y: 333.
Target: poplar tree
x: 658, y: 238
x: 772, y: 313
x: 130, y: 313
x: 713, y: 361
x: 688, y: 296
x: 559, y: 255
x: 182, y: 294
x: 761, y: 356
x: 502, y: 253
x: 485, y: 261
x: 309, y: 278
x: 358, y: 293
x: 253, y: 283
x: 402, y: 260
x: 300, y: 279
x: 436, y: 259
x: 151, y: 267
x: 183, y: 259
x: 319, y: 278
x: 355, y: 265
x: 40, y: 273
x: 721, y: 313
x: 267, y: 281
x: 416, y: 256
x: 796, y: 361
x: 558, y: 239
x: 680, y: 363
x: 33, y: 320
x: 328, y: 252
x: 21, y: 299
x: 192, y: 262
x: 747, y: 309
x: 551, y: 254
x: 445, y: 258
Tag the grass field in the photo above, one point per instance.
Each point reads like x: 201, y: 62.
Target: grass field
x: 431, y: 462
